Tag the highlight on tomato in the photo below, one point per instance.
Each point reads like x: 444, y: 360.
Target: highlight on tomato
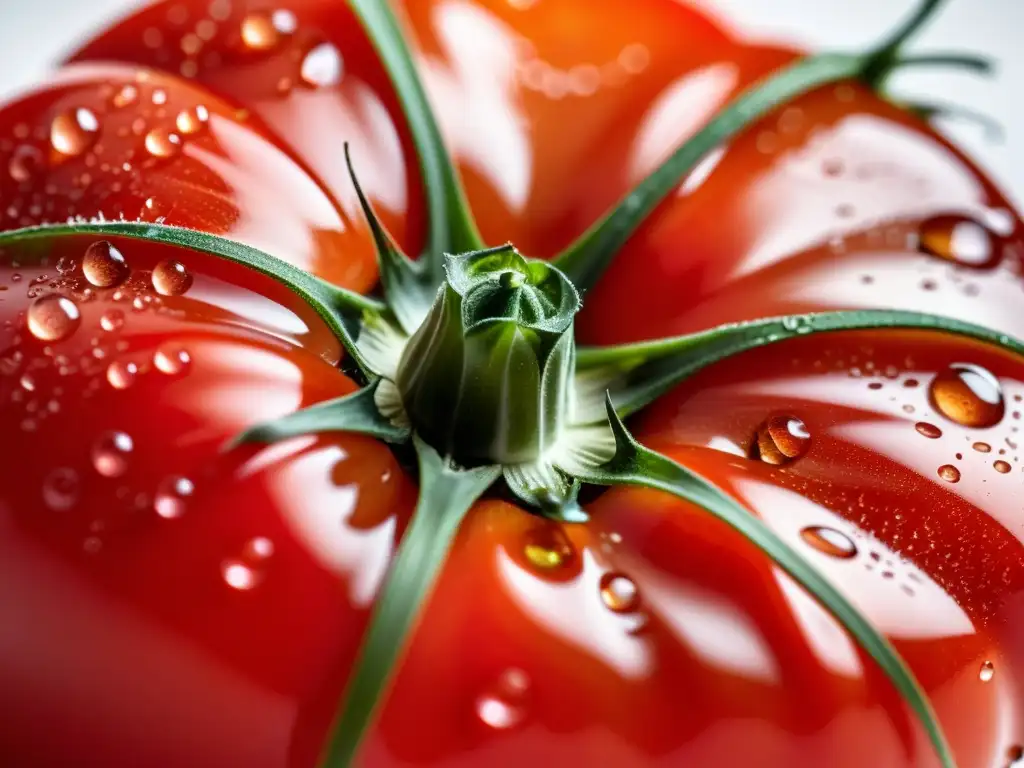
x: 483, y: 383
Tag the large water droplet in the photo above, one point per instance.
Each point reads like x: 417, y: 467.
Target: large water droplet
x: 961, y: 240
x: 112, y: 320
x: 103, y: 265
x: 53, y: 317
x: 259, y: 32
x: 190, y: 121
x: 969, y: 395
x: 121, y: 375
x: 110, y: 454
x: 71, y: 133
x: 503, y: 705
x: 987, y: 672
x: 619, y: 592
x: 171, y: 359
x: 1002, y: 467
x: 322, y: 66
x: 171, y: 278
x: 949, y: 473
x: 928, y: 430
x: 780, y: 440
x: 60, y: 489
x: 25, y: 163
x: 830, y: 541
x: 162, y: 143
x: 172, y: 497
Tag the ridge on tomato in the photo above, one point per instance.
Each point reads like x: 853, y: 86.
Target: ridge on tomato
x: 255, y: 518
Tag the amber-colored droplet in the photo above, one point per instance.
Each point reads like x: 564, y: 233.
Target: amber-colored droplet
x: 547, y: 547
x: 259, y: 32
x: 961, y: 240
x: 619, y: 592
x: 104, y: 265
x: 53, y: 317
x: 1002, y: 467
x: 73, y: 132
x: 928, y: 430
x: 982, y: 447
x: 780, y: 440
x: 190, y: 121
x: 161, y: 143
x: 829, y: 541
x: 171, y: 278
x: 949, y: 473
x: 987, y: 672
x: 968, y: 395
x: 171, y: 359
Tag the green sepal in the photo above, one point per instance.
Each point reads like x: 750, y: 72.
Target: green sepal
x: 340, y: 309
x: 355, y: 413
x: 930, y: 110
x: 452, y: 229
x: 637, y: 374
x: 633, y: 464
x: 446, y: 495
x: 409, y: 286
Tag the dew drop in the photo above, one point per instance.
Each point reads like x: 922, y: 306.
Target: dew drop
x: 170, y: 278
x: 928, y: 430
x: 104, y: 265
x: 162, y: 143
x: 121, y: 375
x: 171, y: 359
x: 949, y: 473
x: 25, y: 163
x: 982, y: 447
x: 60, y: 489
x: 191, y: 121
x: 127, y: 95
x: 321, y: 66
x: 960, y: 240
x: 503, y: 705
x: 987, y: 672
x: 110, y: 454
x: 968, y: 395
x: 240, y: 576
x: 112, y: 320
x: 257, y: 549
x: 258, y: 32
x: 172, y: 497
x: 619, y: 592
x: 1002, y: 467
x: 72, y: 133
x: 829, y: 541
x: 548, y: 548
x: 53, y: 317
x: 780, y: 440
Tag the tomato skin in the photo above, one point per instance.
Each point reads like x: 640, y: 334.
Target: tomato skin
x: 192, y: 646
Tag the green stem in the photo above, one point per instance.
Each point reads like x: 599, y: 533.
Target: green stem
x: 446, y: 495
x: 968, y: 61
x: 452, y: 229
x: 925, y: 11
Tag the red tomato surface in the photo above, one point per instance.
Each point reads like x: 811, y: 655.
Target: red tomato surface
x: 166, y: 604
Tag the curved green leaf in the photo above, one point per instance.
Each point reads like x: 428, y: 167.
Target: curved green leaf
x: 637, y: 374
x: 341, y: 309
x: 352, y: 413
x: 452, y: 228
x: 635, y: 465
x: 445, y: 497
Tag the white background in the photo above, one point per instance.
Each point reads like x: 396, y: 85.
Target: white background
x: 33, y: 33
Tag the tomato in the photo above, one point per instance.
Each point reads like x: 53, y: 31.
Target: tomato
x: 170, y: 603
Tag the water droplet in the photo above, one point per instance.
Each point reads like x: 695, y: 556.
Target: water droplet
x: 60, y: 489
x: 172, y: 497
x: 103, y: 265
x: 968, y: 395
x: 987, y: 672
x: 53, y: 317
x: 928, y: 430
x: 111, y: 320
x: 171, y: 359
x: 25, y: 163
x: 548, y: 548
x: 121, y: 375
x: 1002, y: 467
x: 619, y: 592
x: 162, y: 143
x: 127, y: 95
x: 961, y: 240
x: 71, y: 133
x: 259, y: 32
x: 190, y: 121
x: 982, y: 447
x: 829, y: 541
x: 170, y: 278
x: 110, y: 454
x: 284, y: 21
x: 780, y: 440
x: 322, y: 66
x: 949, y: 473
x: 257, y: 549
x: 503, y: 705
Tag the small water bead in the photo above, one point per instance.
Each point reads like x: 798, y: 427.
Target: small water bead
x: 949, y: 473
x: 104, y: 265
x: 257, y: 549
x: 172, y: 497
x: 780, y: 440
x: 1002, y: 467
x: 259, y: 33
x: 162, y: 143
x: 321, y: 66
x: 928, y: 430
x: 25, y: 163
x: 503, y: 705
x: 548, y: 548
x: 110, y: 453
x: 61, y: 488
x: 987, y: 672
x: 171, y: 278
x: 968, y: 395
x: 619, y: 592
x: 127, y: 95
x: 121, y: 375
x: 830, y: 542
x: 982, y: 447
x: 112, y: 320
x: 72, y: 133
x: 171, y: 359
x: 960, y: 240
x: 191, y: 121
x: 53, y: 317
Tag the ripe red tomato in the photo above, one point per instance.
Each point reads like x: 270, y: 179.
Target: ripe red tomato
x: 166, y: 604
